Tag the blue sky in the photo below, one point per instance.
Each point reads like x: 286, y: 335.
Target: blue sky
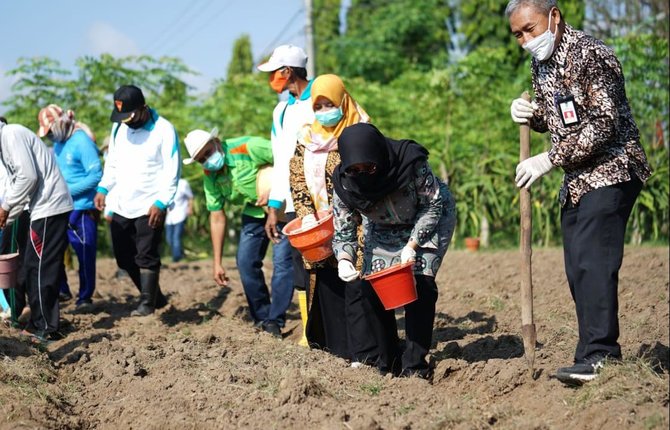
x: 200, y: 32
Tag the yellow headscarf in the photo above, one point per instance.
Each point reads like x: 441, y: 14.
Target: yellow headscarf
x: 319, y: 140
x: 332, y: 88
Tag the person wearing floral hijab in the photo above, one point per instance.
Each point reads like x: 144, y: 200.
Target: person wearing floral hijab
x: 338, y: 317
x: 409, y: 215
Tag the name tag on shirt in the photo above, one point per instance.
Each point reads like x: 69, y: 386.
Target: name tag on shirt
x: 568, y: 110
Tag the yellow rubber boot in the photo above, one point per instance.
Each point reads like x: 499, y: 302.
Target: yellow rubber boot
x: 302, y: 301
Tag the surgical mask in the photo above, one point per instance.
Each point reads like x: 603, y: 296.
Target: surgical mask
x: 329, y: 118
x: 214, y: 163
x: 278, y: 81
x: 542, y: 46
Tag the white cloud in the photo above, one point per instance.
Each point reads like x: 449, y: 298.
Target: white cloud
x: 103, y: 38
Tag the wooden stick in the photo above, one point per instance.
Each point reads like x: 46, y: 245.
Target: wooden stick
x: 527, y: 323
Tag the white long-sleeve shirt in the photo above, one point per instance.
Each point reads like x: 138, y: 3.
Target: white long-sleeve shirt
x: 288, y: 118
x: 142, y: 167
x: 31, y: 175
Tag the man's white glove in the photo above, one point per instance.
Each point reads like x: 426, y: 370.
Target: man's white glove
x: 308, y: 221
x: 530, y: 169
x: 522, y: 110
x: 408, y: 254
x: 346, y: 271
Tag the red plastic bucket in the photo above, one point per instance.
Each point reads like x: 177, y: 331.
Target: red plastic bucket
x: 9, y: 265
x: 316, y: 243
x: 395, y: 285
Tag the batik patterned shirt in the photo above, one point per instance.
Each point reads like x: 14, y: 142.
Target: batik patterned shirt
x: 424, y: 211
x: 603, y: 147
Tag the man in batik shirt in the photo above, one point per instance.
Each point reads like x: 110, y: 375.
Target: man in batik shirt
x: 581, y: 100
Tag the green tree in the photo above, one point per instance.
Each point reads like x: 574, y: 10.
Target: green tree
x: 484, y: 24
x: 242, y: 62
x: 326, y: 24
x: 644, y: 58
x: 383, y: 39
x: 610, y: 18
x: 39, y: 82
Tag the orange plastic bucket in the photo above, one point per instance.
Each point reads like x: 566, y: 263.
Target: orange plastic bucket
x: 316, y: 243
x: 395, y: 285
x: 9, y: 265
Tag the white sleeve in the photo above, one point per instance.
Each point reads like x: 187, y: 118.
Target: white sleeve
x: 24, y: 174
x: 108, y: 180
x: 280, y: 171
x: 171, y: 172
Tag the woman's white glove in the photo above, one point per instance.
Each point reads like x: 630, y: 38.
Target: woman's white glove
x: 530, y: 169
x: 408, y: 254
x: 522, y: 110
x: 346, y: 271
x: 308, y: 221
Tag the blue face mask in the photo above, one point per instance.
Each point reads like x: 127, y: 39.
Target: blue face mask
x: 329, y: 118
x: 214, y: 163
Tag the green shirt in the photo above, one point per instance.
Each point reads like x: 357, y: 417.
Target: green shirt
x: 236, y: 182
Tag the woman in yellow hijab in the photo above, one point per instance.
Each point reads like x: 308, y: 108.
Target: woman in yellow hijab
x: 334, y: 110
x: 339, y: 319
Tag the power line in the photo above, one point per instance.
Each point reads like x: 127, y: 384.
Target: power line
x: 169, y: 29
x: 174, y: 32
x: 271, y: 45
x: 210, y: 19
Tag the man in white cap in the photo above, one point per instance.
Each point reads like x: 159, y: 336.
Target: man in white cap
x: 142, y: 170
x: 288, y: 72
x: 231, y: 175
x: 32, y: 176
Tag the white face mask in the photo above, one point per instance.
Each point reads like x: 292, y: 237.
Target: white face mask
x: 542, y: 46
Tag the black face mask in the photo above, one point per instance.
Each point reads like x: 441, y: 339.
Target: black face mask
x: 365, y: 180
x: 140, y: 119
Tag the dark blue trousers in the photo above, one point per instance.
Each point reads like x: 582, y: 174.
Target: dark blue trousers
x: 264, y: 306
x: 82, y: 235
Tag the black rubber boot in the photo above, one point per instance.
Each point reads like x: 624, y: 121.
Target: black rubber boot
x: 161, y: 300
x: 149, y: 282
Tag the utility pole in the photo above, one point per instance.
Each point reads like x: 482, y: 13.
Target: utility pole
x: 309, y: 40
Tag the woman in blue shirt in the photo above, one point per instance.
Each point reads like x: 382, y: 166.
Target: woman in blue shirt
x: 78, y: 160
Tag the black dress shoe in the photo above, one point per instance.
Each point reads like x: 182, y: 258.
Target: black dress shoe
x: 272, y: 328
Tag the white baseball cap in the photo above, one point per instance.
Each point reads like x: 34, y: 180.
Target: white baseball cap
x: 285, y: 56
x: 196, y: 140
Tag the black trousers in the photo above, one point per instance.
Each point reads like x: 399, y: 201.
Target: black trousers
x: 327, y: 323
x: 43, y: 260
x: 15, y: 237
x: 300, y: 274
x: 372, y: 330
x: 136, y: 245
x: 419, y: 319
x: 593, y: 242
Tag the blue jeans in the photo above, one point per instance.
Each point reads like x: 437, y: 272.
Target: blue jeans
x: 250, y: 254
x: 173, y: 235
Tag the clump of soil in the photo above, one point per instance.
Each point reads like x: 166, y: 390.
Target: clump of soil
x: 200, y: 364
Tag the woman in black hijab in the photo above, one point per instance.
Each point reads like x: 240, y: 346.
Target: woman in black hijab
x: 408, y: 215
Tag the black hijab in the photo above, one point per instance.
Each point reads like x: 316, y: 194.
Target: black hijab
x: 394, y: 161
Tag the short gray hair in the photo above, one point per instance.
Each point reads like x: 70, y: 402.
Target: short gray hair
x: 542, y: 6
